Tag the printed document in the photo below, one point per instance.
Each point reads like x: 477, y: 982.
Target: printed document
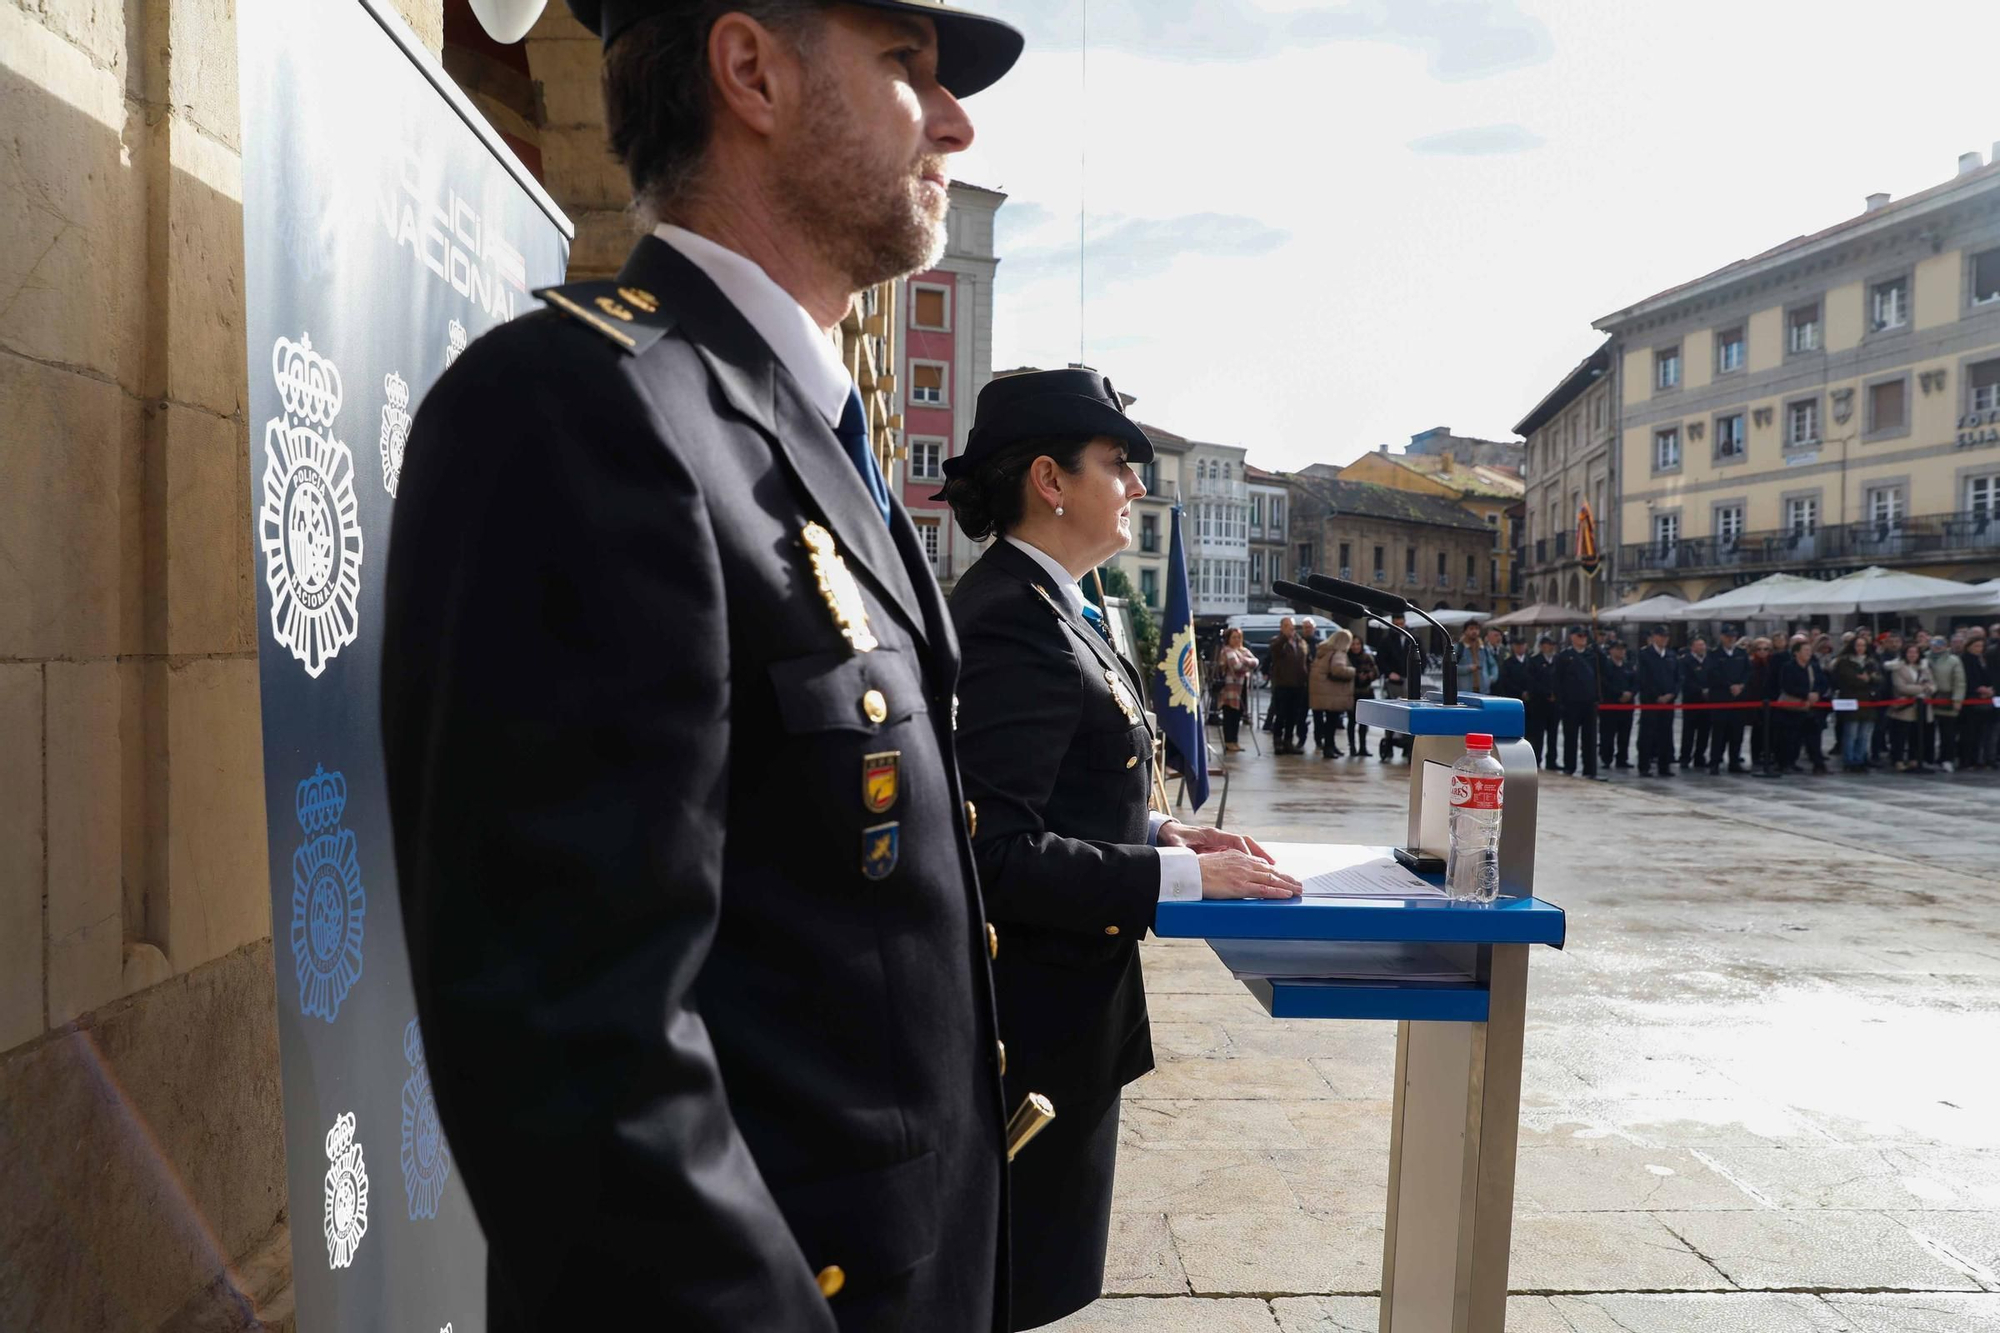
x: 1349, y: 870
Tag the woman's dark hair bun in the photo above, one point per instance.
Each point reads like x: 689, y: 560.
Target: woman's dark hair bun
x: 989, y: 500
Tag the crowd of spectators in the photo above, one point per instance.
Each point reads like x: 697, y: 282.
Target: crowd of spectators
x: 1916, y: 704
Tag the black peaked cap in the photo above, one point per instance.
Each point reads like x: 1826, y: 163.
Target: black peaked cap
x: 1039, y: 403
x: 973, y: 49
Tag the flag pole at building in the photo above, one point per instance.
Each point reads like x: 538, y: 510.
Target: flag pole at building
x: 1177, y: 675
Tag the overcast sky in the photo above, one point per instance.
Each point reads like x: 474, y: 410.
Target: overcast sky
x: 1315, y: 228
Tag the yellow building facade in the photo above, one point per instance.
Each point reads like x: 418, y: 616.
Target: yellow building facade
x: 1827, y: 405
x: 1487, y: 492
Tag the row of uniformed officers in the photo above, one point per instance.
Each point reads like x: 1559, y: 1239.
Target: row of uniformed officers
x: 749, y: 888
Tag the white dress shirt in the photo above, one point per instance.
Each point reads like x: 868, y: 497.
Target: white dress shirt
x: 799, y: 344
x: 1180, y: 867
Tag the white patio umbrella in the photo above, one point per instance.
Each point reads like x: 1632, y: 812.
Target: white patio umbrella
x: 1752, y: 599
x: 1666, y: 606
x: 1879, y: 589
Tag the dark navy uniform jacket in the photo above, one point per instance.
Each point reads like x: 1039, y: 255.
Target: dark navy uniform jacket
x: 1620, y: 678
x: 1659, y: 675
x: 1060, y: 770
x: 703, y: 1025
x: 1726, y: 667
x: 1575, y: 677
x: 1694, y: 678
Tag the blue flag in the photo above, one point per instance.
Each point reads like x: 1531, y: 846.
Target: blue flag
x: 1177, y: 675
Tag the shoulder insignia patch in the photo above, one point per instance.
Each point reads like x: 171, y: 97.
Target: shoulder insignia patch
x: 629, y: 316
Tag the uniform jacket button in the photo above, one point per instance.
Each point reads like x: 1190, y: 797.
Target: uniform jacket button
x: 873, y: 706
x: 1111, y: 930
x: 971, y: 820
x: 1000, y: 1049
x: 1132, y: 761
x: 831, y: 1279
x: 992, y: 941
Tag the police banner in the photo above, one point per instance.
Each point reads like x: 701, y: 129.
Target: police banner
x: 384, y: 226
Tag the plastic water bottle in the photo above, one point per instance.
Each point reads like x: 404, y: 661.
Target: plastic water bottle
x: 1472, y: 867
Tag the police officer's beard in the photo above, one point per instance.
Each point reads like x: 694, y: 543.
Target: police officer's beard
x: 869, y: 219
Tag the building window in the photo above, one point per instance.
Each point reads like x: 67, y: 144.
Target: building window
x: 1889, y: 305
x: 1257, y: 568
x: 1410, y: 564
x: 1149, y: 533
x: 930, y: 308
x: 1666, y: 531
x: 1984, y: 379
x: 1381, y: 566
x: 927, y: 383
x: 1472, y: 571
x: 1149, y: 476
x: 1885, y: 506
x: 1277, y: 513
x: 1666, y: 452
x: 927, y: 533
x: 1982, y: 496
x: 1597, y: 413
x: 1149, y: 586
x: 1802, y: 423
x: 926, y: 459
x: 1667, y: 368
x: 1729, y: 348
x: 1730, y: 440
x: 1729, y: 522
x: 1888, y: 408
x: 1802, y: 328
x: 1802, y: 514
x: 1444, y: 571
x: 1257, y: 512
x: 1986, y: 277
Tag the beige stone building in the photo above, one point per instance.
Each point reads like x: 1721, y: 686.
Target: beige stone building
x: 1570, y: 460
x: 1486, y: 490
x: 1428, y: 548
x: 142, y: 1179
x: 1828, y: 404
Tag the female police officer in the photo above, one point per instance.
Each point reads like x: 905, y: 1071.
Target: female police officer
x: 1056, y: 752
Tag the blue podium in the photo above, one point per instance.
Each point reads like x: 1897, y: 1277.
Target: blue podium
x: 1456, y: 1115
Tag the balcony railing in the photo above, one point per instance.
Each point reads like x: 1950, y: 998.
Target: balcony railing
x: 1215, y: 488
x: 1869, y: 542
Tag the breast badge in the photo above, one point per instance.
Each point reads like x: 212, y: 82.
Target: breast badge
x: 1121, y: 697
x: 838, y: 588
x: 879, y: 847
x: 880, y: 777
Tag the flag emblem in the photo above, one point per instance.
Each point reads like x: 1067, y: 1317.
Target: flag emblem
x: 879, y: 780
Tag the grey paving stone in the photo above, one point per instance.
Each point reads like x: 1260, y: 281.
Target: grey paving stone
x: 1603, y: 1252
x: 1141, y: 1257
x: 1842, y: 1176
x: 1271, y: 1254
x: 1612, y: 1175
x: 1173, y: 1314
x: 1190, y: 1040
x: 1361, y: 1314
x: 1836, y: 1251
x: 1733, y: 1312
x: 1222, y: 1180
x: 1336, y: 1180
x: 1934, y: 1312
x: 1969, y: 1242
x: 1240, y: 1078
x: 1205, y: 1125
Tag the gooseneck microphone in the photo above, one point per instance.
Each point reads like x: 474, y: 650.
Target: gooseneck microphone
x: 1388, y: 603
x: 1413, y: 686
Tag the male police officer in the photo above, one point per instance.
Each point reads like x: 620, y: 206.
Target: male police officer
x: 1540, y: 705
x: 1694, y: 666
x: 1620, y: 686
x: 667, y: 692
x: 1576, y: 698
x: 1728, y: 679
x: 1659, y: 683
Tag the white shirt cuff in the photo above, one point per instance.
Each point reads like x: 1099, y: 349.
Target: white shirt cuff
x: 1155, y: 821
x: 1180, y: 875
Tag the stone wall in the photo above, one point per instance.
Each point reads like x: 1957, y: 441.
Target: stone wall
x: 141, y: 1148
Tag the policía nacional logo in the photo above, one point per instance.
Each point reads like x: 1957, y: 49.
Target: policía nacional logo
x: 1182, y: 671
x: 329, y: 906
x: 426, y: 1158
x: 308, y: 525
x: 345, y: 1220
x: 395, y: 429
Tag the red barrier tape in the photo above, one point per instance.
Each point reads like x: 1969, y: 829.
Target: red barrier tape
x: 1782, y: 703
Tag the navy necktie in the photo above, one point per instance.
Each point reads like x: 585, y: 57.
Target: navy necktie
x: 853, y: 435
x: 1096, y: 619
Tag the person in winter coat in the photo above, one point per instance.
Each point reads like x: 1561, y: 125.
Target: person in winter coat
x: 1947, y: 700
x: 1856, y: 675
x: 1287, y: 674
x: 1233, y: 666
x: 1619, y: 684
x: 1909, y: 682
x: 1802, y: 685
x: 1977, y: 719
x: 1330, y: 691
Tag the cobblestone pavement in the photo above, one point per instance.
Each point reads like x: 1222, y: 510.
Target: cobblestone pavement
x: 1761, y: 1089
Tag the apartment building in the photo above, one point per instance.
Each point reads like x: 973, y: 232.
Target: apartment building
x: 1428, y: 548
x: 1827, y: 404
x: 1484, y: 490
x: 1270, y: 507
x: 1571, y: 457
x: 1145, y: 560
x: 945, y: 316
x: 1215, y: 524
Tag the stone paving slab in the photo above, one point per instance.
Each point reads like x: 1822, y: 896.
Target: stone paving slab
x: 1605, y: 1252
x: 1831, y: 1250
x: 1184, y: 1315
x: 1296, y: 1252
x: 1938, y: 1313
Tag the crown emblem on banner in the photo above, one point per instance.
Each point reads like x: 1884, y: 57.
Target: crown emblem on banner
x: 321, y: 800
x: 454, y: 334
x: 395, y: 428
x: 308, y: 383
x: 398, y: 390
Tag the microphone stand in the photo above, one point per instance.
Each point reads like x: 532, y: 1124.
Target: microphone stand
x: 1390, y: 603
x: 1413, y: 685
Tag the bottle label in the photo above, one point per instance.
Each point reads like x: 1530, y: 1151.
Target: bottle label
x: 1471, y: 791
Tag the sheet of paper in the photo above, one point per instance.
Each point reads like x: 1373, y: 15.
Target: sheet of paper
x: 1348, y: 870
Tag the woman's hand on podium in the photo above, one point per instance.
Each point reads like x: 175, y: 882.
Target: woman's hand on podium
x: 1232, y: 874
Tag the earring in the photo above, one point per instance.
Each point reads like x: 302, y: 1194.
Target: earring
x: 1058, y: 511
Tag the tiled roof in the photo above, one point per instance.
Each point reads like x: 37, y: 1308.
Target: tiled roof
x: 1366, y: 499
x: 1485, y: 482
